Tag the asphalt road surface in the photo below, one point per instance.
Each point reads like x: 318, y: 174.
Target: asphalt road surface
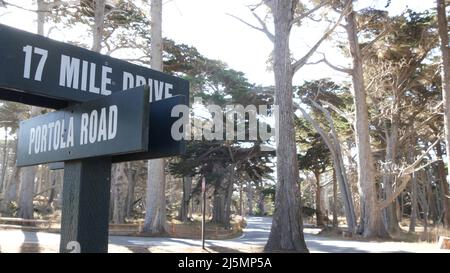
x: 253, y: 240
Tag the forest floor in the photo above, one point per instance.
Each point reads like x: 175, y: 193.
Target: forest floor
x: 253, y: 240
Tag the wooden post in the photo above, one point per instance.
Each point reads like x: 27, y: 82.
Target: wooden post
x: 85, y: 206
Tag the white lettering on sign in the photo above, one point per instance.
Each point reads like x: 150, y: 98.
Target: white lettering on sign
x: 69, y: 71
x: 72, y: 69
x: 27, y: 64
x: 79, y: 74
x: 95, y: 126
x: 162, y: 89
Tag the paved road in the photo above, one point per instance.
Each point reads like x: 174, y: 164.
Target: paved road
x: 254, y: 238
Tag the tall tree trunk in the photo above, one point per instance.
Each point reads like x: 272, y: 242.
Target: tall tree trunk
x: 445, y: 68
x: 443, y: 186
x: 132, y: 180
x: 97, y: 28
x: 373, y: 224
x: 28, y: 174
x: 335, y: 214
x: 431, y: 196
x: 12, y: 184
x: 223, y: 197
x: 4, y: 161
x: 184, y: 208
x: 249, y: 189
x: 286, y: 233
x: 218, y: 209
x: 414, y: 192
x: 423, y: 201
x: 27, y: 179
x: 414, y: 205
x: 155, y: 216
x: 388, y: 176
x: 319, y: 214
x: 228, y: 200
x: 51, y: 195
x: 261, y: 201
x: 120, y: 191
x: 334, y: 146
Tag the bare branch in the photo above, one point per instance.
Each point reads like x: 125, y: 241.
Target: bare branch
x: 343, y: 114
x: 299, y: 18
x: 405, y: 177
x: 263, y: 27
x: 335, y: 67
x: 5, y: 3
x: 368, y: 45
x: 301, y: 62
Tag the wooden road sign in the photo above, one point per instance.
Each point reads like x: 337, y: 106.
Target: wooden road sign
x: 110, y: 125
x: 39, y: 71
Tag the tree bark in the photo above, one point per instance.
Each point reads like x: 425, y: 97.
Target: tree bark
x: 53, y: 181
x: 391, y: 132
x: 120, y: 191
x: 334, y: 146
x: 249, y: 189
x: 28, y: 174
x: 4, y: 161
x: 335, y: 214
x: 414, y: 193
x: 12, y: 184
x: 286, y: 233
x: 445, y: 73
x: 155, y: 217
x: 443, y: 186
x: 184, y: 208
x: 261, y: 201
x: 223, y: 197
x: 228, y: 200
x: 319, y: 214
x: 373, y: 225
x: 132, y: 180
x: 27, y: 178
x: 97, y: 28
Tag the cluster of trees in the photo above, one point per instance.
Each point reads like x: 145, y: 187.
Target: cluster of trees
x: 225, y: 164
x: 379, y: 137
x: 385, y: 124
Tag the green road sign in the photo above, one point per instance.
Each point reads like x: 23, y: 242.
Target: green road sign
x: 39, y: 71
x: 107, y: 126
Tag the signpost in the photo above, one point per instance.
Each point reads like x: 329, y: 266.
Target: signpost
x: 90, y: 131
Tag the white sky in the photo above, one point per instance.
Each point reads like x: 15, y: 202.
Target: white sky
x: 206, y: 25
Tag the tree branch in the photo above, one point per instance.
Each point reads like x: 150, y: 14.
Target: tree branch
x: 368, y: 45
x: 346, y: 116
x: 332, y: 66
x: 263, y: 27
x: 301, y: 62
x: 299, y: 18
x: 404, y: 175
